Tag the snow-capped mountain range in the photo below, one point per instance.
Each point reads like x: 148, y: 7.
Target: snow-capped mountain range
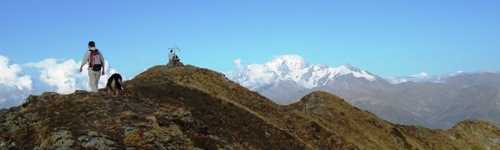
x: 422, y: 99
x: 294, y: 68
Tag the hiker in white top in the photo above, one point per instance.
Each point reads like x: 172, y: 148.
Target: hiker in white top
x: 96, y: 65
x: 171, y: 55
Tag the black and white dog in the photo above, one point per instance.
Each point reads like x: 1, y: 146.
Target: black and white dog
x: 115, y: 85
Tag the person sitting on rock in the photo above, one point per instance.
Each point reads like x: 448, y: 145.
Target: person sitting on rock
x: 173, y: 59
x: 171, y: 55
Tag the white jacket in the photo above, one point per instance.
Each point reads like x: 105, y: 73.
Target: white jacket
x: 171, y: 56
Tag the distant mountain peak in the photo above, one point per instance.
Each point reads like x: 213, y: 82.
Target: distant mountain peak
x: 294, y: 68
x: 291, y: 62
x: 355, y: 71
x: 350, y: 67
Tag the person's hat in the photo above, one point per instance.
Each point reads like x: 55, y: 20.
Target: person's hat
x: 92, y: 44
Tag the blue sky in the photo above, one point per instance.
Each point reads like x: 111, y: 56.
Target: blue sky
x: 389, y: 38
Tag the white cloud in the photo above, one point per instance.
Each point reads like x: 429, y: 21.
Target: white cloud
x: 64, y: 75
x: 14, y: 85
x: 11, y: 75
x: 237, y: 62
x: 48, y: 75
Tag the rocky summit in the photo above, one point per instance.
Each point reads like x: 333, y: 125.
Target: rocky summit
x: 185, y: 107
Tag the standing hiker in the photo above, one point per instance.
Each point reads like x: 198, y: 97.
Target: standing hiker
x: 96, y: 65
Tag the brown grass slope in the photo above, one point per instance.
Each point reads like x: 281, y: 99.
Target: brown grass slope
x: 367, y: 131
x: 193, y: 108
x: 307, y: 131
x: 155, y: 113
